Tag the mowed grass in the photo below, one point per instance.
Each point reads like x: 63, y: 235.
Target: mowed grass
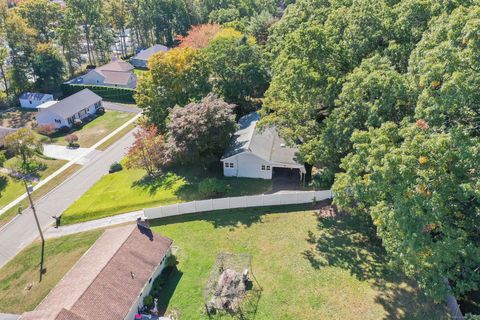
x: 23, y: 271
x: 308, y: 267
x: 39, y: 193
x: 95, y: 130
x: 15, y: 188
x: 131, y: 190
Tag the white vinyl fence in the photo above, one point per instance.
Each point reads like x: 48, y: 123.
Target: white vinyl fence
x: 297, y: 197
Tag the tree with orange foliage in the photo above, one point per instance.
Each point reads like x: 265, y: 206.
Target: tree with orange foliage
x: 199, y: 36
x: 149, y: 151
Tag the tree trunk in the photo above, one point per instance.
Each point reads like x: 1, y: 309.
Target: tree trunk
x: 87, y: 38
x: 308, y: 174
x: 4, y: 76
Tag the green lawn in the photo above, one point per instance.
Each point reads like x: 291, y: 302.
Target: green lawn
x: 95, y: 130
x: 23, y: 271
x: 37, y: 194
x: 309, y: 267
x: 128, y: 190
x: 13, y: 189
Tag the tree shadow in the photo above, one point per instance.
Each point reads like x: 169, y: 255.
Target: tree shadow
x: 168, y: 289
x: 349, y: 242
x: 152, y: 184
x: 245, y: 217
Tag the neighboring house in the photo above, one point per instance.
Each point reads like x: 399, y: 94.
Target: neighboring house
x: 3, y: 133
x: 32, y: 100
x: 117, y: 73
x: 66, y: 111
x: 256, y: 153
x: 110, y: 280
x: 140, y: 60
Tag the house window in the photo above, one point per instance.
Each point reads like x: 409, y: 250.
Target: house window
x: 231, y: 164
x: 263, y: 167
x: 83, y: 112
x: 227, y: 164
x: 268, y: 168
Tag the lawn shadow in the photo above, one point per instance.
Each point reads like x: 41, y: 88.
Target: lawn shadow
x: 152, y: 184
x: 349, y: 242
x: 168, y: 289
x: 230, y: 218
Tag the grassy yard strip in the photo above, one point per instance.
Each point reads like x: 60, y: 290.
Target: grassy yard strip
x: 37, y: 194
x: 95, y: 130
x: 23, y: 271
x: 129, y: 190
x: 308, y: 267
x: 14, y: 188
x: 104, y: 146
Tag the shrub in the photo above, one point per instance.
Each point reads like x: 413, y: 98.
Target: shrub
x: 87, y: 119
x: 100, y: 111
x: 78, y: 123
x: 72, y: 140
x: 115, y: 167
x: 113, y: 94
x: 64, y: 129
x: 148, y: 301
x: 3, y: 157
x: 212, y: 188
x: 46, y: 129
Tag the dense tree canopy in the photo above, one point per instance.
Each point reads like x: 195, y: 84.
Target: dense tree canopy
x: 174, y: 78
x: 421, y: 188
x: 445, y: 65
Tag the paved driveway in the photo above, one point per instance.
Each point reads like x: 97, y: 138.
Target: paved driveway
x: 22, y: 231
x: 64, y: 153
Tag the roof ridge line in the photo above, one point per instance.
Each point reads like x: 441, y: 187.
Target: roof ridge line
x: 103, y: 268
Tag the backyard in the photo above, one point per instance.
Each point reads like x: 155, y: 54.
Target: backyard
x: 93, y: 131
x: 131, y: 190
x: 309, y: 266
x: 20, y: 289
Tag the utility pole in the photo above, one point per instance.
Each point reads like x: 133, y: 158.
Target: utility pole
x: 38, y: 226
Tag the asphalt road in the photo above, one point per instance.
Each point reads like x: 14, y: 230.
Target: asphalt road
x: 23, y: 230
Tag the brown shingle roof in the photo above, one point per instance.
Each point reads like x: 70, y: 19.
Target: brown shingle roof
x: 117, y: 65
x: 100, y: 285
x: 114, y: 290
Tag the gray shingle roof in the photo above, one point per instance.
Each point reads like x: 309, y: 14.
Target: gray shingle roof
x: 266, y: 143
x: 35, y: 96
x: 74, y: 103
x: 147, y: 53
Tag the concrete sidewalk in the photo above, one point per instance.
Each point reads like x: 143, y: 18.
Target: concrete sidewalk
x: 69, y: 164
x: 94, y: 224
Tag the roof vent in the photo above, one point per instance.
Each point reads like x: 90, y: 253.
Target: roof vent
x: 132, y: 274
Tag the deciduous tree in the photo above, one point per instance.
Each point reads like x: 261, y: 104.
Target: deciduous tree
x: 421, y: 189
x: 174, y: 78
x: 48, y: 67
x: 149, y: 151
x: 199, y: 132
x: 24, y: 144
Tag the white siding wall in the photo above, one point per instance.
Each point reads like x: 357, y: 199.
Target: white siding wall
x: 146, y: 290
x: 247, y: 165
x: 30, y: 104
x: 47, y: 117
x: 93, y: 77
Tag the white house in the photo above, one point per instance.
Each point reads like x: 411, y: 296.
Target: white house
x: 140, y: 59
x: 117, y: 73
x: 32, y: 100
x: 110, y: 280
x: 64, y: 112
x: 255, y: 153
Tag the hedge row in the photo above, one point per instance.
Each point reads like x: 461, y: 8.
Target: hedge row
x: 113, y: 94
